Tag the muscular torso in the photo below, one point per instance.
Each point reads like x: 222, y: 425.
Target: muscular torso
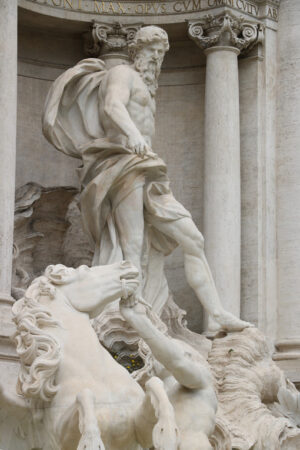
x: 195, y: 409
x: 140, y: 105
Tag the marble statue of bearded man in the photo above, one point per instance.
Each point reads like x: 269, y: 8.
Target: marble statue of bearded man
x: 106, y: 118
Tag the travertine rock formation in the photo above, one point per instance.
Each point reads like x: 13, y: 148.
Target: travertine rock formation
x: 48, y: 230
x: 253, y: 393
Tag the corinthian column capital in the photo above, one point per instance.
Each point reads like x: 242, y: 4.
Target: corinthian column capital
x: 105, y: 39
x: 225, y: 30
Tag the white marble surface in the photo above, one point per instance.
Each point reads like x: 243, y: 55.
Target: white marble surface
x: 181, y: 89
x: 106, y: 117
x: 68, y: 385
x: 222, y: 196
x: 78, y: 384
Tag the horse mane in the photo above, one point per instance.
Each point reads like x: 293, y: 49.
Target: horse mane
x: 39, y: 352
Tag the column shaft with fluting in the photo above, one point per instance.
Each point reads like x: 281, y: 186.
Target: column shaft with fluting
x: 222, y: 193
x: 8, y: 108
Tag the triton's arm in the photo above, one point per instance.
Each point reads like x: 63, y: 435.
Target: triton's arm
x: 169, y: 352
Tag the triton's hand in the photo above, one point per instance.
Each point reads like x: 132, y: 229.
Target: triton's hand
x: 133, y: 306
x: 129, y: 302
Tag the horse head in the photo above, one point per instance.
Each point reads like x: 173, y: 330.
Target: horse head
x: 87, y: 290
x: 90, y: 289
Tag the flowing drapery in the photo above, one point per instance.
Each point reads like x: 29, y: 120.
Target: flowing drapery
x: 109, y: 173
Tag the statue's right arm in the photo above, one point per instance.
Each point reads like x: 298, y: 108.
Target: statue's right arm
x: 117, y: 91
x: 169, y: 352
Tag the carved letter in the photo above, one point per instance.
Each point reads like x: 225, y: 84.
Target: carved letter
x: 121, y: 8
x: 240, y: 4
x: 196, y: 5
x: 177, y: 7
x: 139, y: 9
x: 155, y: 7
x: 97, y: 6
x: 272, y: 13
x: 70, y: 3
x: 186, y: 4
x: 111, y: 8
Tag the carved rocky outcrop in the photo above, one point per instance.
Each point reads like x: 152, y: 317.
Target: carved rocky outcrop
x: 256, y: 403
x: 47, y: 230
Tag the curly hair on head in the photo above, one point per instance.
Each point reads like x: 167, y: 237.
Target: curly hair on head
x: 148, y: 35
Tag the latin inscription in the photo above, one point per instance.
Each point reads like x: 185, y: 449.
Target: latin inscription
x: 159, y: 7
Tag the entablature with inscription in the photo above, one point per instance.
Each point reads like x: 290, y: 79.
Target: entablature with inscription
x: 151, y: 11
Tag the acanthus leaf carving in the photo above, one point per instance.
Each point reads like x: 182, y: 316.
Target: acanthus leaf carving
x: 104, y: 38
x: 226, y: 30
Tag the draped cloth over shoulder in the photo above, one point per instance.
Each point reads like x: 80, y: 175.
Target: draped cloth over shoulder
x: 71, y: 114
x: 110, y: 172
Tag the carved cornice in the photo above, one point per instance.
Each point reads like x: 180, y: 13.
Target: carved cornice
x: 104, y: 39
x: 268, y: 2
x: 226, y: 29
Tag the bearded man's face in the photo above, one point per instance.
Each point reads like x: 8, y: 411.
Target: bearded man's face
x: 148, y: 62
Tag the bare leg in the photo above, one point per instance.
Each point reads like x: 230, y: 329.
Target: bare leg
x: 156, y: 416
x: 198, y: 273
x: 130, y: 222
x: 88, y: 424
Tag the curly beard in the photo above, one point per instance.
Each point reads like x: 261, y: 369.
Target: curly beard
x: 149, y: 70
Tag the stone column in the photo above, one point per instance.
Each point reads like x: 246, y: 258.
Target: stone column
x: 110, y: 42
x: 222, y: 38
x: 8, y: 109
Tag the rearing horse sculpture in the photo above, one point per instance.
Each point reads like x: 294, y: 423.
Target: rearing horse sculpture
x: 88, y: 401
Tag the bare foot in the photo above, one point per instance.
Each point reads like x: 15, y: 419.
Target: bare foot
x: 229, y: 322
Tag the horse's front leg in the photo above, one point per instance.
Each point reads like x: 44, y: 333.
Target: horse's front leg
x: 88, y: 423
x: 155, y: 419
